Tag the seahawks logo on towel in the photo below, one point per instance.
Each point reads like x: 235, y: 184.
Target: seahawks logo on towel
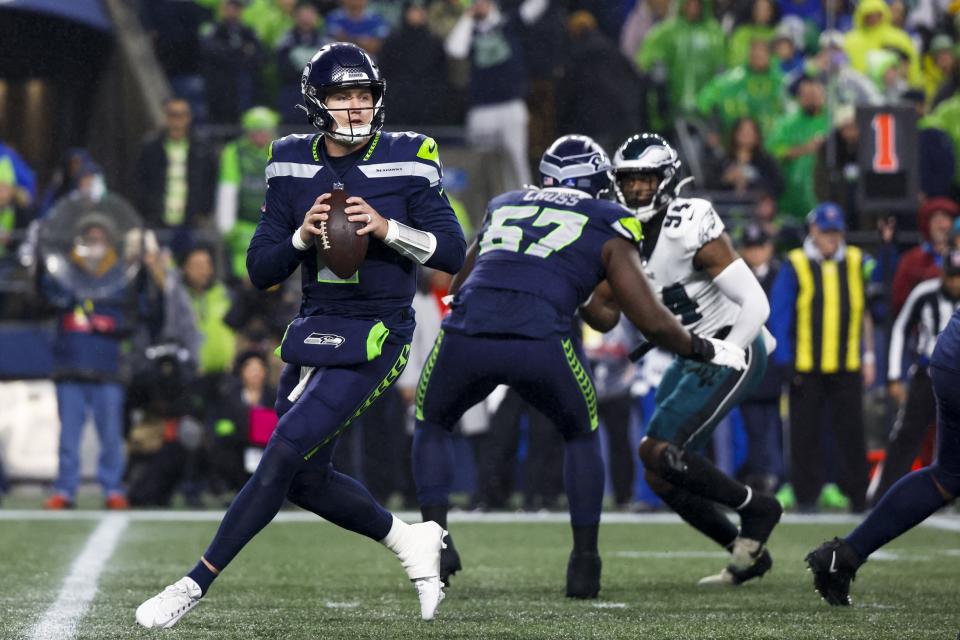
x: 322, y: 339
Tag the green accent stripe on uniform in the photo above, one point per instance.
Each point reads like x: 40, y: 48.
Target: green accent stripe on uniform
x: 634, y: 226
x: 583, y: 381
x: 375, y: 339
x: 373, y: 145
x: 428, y: 151
x: 426, y: 373
x: 314, y: 147
x: 392, y: 376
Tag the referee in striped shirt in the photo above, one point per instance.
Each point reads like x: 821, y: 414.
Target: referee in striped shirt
x: 924, y: 315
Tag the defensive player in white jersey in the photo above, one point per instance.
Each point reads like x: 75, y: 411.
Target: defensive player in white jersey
x: 692, y: 265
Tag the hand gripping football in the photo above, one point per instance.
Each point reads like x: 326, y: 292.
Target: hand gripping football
x: 339, y: 247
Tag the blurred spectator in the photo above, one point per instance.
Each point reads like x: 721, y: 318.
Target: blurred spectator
x: 65, y: 178
x: 763, y: 18
x: 271, y: 19
x: 788, y: 44
x: 240, y: 190
x: 604, y: 106
x: 355, y: 22
x: 683, y: 53
x: 175, y: 172
x: 241, y: 415
x: 950, y: 82
x: 232, y: 59
x: 442, y: 16
x: 886, y: 69
x: 642, y: 18
x: 415, y: 64
x: 873, y: 31
x: 25, y: 182
x: 924, y: 315
x: 174, y: 30
x: 260, y: 317
x: 946, y: 118
x: 937, y: 152
x: 294, y: 51
x: 210, y: 300
x: 498, y: 116
x: 925, y: 261
x: 836, y: 171
x: 845, y: 85
x: 754, y: 89
x: 746, y: 166
x: 940, y: 66
x: 763, y: 468
x: 795, y: 140
x: 95, y: 314
x: 818, y: 319
x: 12, y: 215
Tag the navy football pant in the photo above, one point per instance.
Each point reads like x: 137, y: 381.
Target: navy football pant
x: 551, y: 374
x: 297, y: 461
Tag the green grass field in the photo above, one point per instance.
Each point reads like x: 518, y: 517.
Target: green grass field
x: 307, y: 579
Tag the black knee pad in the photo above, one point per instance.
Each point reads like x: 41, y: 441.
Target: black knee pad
x: 672, y: 466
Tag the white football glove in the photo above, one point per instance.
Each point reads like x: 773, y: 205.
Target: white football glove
x: 727, y: 354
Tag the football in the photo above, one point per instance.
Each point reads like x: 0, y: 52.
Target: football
x: 339, y: 247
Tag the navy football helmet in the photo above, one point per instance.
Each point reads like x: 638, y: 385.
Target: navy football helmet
x: 648, y: 153
x: 341, y: 65
x: 579, y: 163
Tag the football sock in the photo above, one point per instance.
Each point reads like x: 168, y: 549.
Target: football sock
x: 583, y: 478
x: 585, y: 538
x: 696, y: 474
x: 702, y: 514
x: 254, y: 507
x: 436, y: 513
x: 908, y: 503
x: 202, y: 575
x: 432, y: 459
x: 342, y: 500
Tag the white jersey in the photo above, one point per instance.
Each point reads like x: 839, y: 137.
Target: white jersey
x: 688, y: 292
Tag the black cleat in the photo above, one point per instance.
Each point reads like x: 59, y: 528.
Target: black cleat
x: 759, y: 518
x: 583, y: 575
x: 834, y: 564
x: 449, y: 561
x: 750, y: 559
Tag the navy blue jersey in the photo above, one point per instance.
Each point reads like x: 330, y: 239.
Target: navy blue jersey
x: 539, y: 259
x: 946, y: 353
x: 399, y: 175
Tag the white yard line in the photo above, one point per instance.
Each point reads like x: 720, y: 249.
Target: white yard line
x: 60, y: 620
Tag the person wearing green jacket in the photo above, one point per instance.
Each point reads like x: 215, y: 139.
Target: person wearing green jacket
x: 946, y: 117
x: 211, y: 303
x: 794, y: 142
x: 683, y: 52
x: 762, y: 25
x: 754, y: 89
x: 874, y: 30
x: 240, y: 192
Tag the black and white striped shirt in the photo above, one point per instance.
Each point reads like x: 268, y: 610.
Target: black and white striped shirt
x: 926, y: 311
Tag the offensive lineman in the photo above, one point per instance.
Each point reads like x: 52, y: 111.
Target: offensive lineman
x: 395, y: 183
x: 698, y: 275
x: 540, y: 254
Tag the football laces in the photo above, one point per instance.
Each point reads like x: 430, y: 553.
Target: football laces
x: 324, y: 238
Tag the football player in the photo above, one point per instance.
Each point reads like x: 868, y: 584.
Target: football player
x: 539, y: 256
x: 914, y: 497
x: 352, y: 336
x: 697, y: 274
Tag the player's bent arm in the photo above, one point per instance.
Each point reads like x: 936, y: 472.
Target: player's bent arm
x: 735, y: 280
x: 601, y: 311
x: 468, y: 264
x: 431, y: 214
x: 274, y: 252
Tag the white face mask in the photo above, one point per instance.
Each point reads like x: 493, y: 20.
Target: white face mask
x: 351, y: 135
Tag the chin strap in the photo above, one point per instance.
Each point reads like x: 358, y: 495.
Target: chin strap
x: 409, y: 242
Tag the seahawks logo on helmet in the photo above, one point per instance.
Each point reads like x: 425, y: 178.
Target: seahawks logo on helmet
x: 648, y: 153
x: 341, y: 65
x: 577, y: 162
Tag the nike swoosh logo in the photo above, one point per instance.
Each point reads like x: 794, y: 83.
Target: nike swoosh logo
x: 432, y: 147
x: 833, y: 562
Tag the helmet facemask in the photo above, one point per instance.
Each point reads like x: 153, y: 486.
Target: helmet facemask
x: 322, y: 117
x: 648, y: 154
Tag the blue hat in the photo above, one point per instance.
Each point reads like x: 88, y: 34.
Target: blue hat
x: 828, y: 216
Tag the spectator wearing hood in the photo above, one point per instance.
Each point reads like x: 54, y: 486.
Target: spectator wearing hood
x: 873, y: 30
x: 414, y: 61
x: 294, y: 51
x: 946, y: 118
x: 764, y: 16
x: 925, y: 261
x: 684, y: 53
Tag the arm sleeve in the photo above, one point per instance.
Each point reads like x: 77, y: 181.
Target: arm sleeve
x: 532, y: 10
x: 458, y: 41
x: 783, y: 299
x: 430, y: 211
x: 902, y: 328
x: 739, y: 284
x: 271, y: 256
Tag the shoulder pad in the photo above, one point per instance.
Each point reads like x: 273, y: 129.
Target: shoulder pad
x: 293, y: 156
x: 414, y: 154
x: 694, y: 220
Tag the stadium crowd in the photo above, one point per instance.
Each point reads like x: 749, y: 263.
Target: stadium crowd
x: 762, y: 97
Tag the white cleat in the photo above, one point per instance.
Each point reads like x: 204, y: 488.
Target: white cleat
x: 163, y: 610
x: 420, y: 557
